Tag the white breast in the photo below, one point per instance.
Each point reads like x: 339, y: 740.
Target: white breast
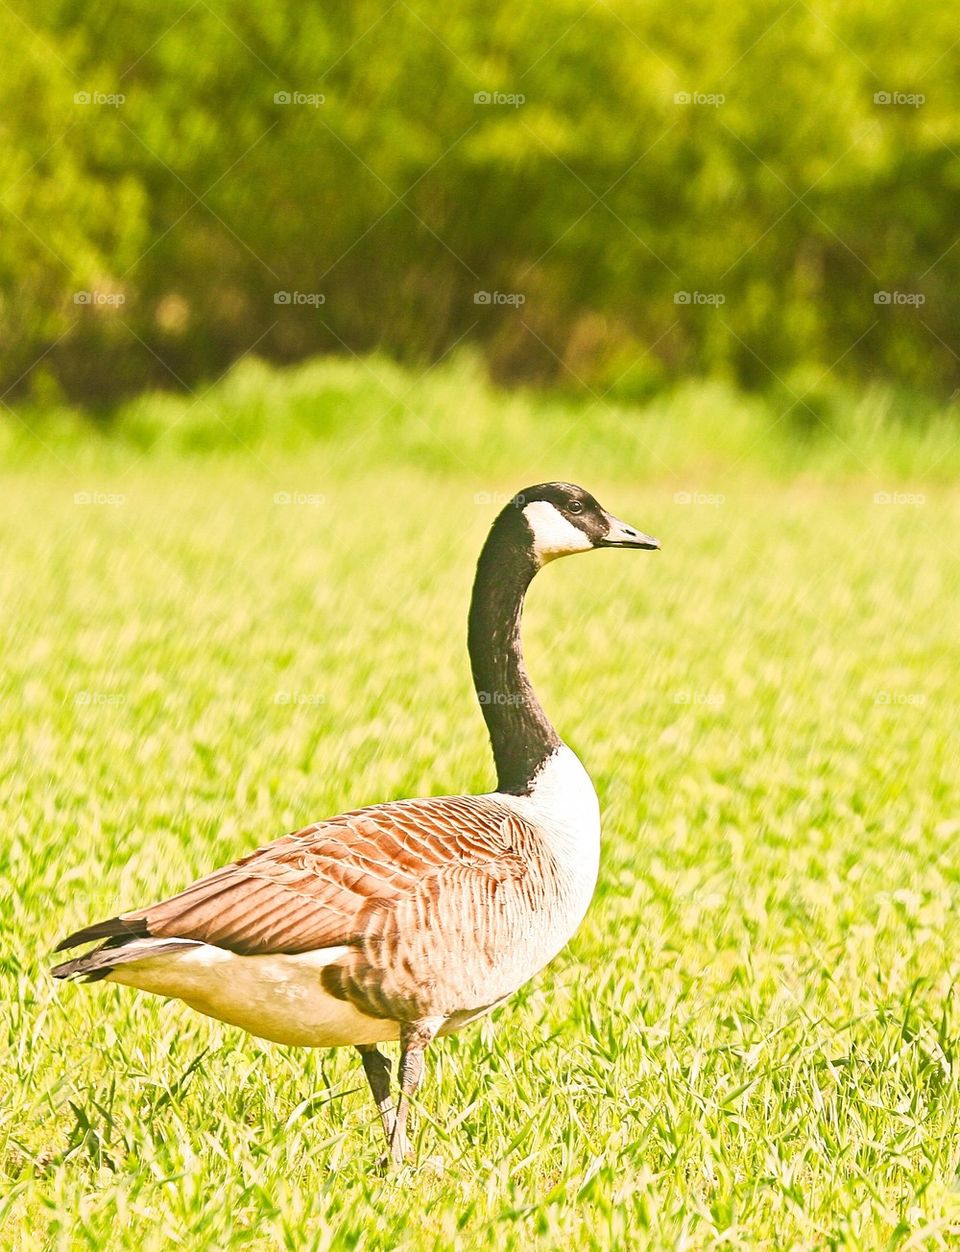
x: 563, y: 805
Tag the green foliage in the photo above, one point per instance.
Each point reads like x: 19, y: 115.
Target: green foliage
x: 597, y: 199
x: 450, y: 418
x: 751, y: 1041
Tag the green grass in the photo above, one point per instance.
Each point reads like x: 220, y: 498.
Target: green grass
x: 753, y: 1039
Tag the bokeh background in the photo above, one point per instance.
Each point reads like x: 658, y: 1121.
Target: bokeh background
x: 791, y: 170
x: 293, y: 298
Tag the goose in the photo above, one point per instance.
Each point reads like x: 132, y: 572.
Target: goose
x: 409, y: 919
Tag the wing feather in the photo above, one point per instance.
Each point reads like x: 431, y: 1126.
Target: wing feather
x: 319, y: 886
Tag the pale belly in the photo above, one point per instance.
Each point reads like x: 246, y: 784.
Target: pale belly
x: 280, y: 998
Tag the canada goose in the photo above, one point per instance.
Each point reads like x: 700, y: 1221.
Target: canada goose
x: 409, y: 919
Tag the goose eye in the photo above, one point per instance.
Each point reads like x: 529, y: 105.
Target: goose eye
x: 574, y: 507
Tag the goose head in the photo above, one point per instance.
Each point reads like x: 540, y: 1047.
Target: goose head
x: 562, y: 519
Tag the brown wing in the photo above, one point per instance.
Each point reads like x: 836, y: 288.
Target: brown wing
x: 311, y: 889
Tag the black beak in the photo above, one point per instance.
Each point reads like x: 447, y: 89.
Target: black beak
x: 620, y: 535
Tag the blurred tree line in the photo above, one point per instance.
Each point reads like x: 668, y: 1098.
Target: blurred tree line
x: 609, y: 195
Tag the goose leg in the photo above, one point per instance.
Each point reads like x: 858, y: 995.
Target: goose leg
x: 414, y: 1037
x: 377, y: 1069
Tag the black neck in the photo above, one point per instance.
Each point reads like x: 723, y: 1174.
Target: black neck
x: 520, y: 731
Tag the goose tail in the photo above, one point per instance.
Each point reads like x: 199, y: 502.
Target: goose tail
x: 120, y: 950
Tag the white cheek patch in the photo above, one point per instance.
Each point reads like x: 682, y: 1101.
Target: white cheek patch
x: 553, y: 535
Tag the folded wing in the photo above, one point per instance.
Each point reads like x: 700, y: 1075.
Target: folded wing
x: 316, y: 887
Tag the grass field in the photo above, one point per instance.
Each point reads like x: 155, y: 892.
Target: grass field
x: 753, y: 1040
